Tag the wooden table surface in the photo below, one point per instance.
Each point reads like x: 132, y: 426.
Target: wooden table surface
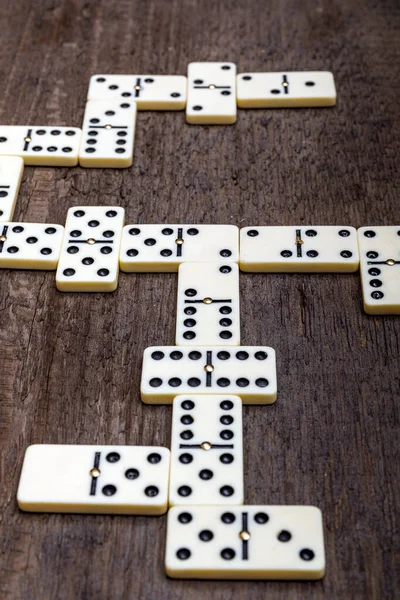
x: 70, y: 364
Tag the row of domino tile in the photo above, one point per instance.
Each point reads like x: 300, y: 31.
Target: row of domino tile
x: 210, y: 94
x: 94, y: 245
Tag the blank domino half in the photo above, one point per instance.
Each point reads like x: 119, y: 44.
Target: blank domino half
x: 108, y: 134
x: 208, y: 304
x: 290, y: 89
x: 380, y: 269
x: 41, y: 145
x: 90, y: 249
x: 245, y: 542
x: 11, y: 170
x: 211, y: 96
x: 150, y: 92
x: 245, y: 371
x: 206, y: 450
x: 299, y: 249
x: 30, y: 245
x: 162, y: 248
x: 126, y: 480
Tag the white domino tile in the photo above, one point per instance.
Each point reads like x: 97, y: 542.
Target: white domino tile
x: 131, y: 480
x: 150, y: 92
x: 108, y: 134
x: 162, y: 248
x: 206, y: 450
x: 380, y: 269
x: 11, y: 170
x: 299, y: 249
x: 245, y: 371
x: 245, y: 542
x: 30, y: 245
x: 208, y: 304
x: 44, y: 146
x: 90, y: 249
x: 211, y: 96
x: 288, y: 89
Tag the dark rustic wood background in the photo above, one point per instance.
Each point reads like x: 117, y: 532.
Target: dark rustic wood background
x: 70, y: 364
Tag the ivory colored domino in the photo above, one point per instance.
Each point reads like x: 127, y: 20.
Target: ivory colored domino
x: 289, y: 89
x: 30, y: 245
x: 380, y: 269
x: 245, y: 542
x: 208, y: 304
x: 125, y: 480
x: 150, y: 92
x: 11, y: 170
x: 245, y: 371
x: 46, y: 146
x: 211, y: 98
x: 90, y: 249
x: 299, y: 249
x: 162, y: 248
x: 108, y: 134
x: 206, y: 450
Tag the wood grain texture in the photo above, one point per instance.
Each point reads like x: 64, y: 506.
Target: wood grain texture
x: 70, y: 364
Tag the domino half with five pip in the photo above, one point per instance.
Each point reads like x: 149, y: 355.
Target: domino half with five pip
x: 206, y: 450
x: 245, y: 542
x: 245, y: 371
x: 150, y: 92
x: 90, y: 249
x: 125, y: 480
x: 162, y: 248
x: 299, y: 249
x: 11, y: 170
x: 30, y: 245
x: 208, y: 304
x: 289, y: 89
x: 380, y: 269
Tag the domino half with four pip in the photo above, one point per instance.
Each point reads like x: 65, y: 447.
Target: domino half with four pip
x: 162, y: 248
x: 245, y: 542
x: 380, y: 269
x: 245, y: 371
x: 30, y: 245
x: 126, y: 480
x: 11, y: 170
x: 43, y: 146
x: 299, y: 249
x: 211, y: 96
x: 90, y: 249
x: 290, y: 89
x: 206, y: 450
x: 150, y: 92
x: 108, y: 134
x: 208, y: 304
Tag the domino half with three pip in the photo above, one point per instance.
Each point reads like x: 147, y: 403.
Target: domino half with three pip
x: 206, y: 450
x: 108, y: 134
x: 150, y: 92
x: 211, y: 98
x: 245, y: 542
x: 162, y: 248
x: 289, y: 89
x: 90, y: 249
x: 126, y: 480
x: 380, y: 269
x: 43, y: 146
x: 299, y: 249
x: 11, y: 170
x: 245, y: 371
x: 208, y: 304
